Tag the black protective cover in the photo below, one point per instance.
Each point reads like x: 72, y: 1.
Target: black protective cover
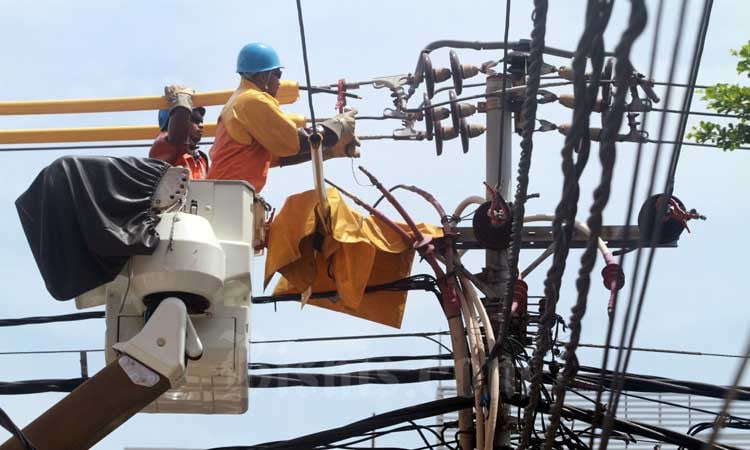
x: 85, y: 216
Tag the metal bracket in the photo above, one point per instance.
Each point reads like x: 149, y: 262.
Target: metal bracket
x: 172, y: 188
x: 164, y: 342
x: 391, y: 82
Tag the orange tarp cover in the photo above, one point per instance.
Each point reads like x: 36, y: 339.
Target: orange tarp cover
x: 359, y: 252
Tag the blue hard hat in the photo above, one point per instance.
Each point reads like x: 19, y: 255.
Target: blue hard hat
x: 257, y: 57
x: 164, y: 116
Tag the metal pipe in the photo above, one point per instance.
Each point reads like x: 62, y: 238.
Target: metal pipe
x: 498, y: 175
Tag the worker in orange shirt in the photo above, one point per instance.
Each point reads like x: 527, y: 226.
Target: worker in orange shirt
x: 181, y: 129
x: 253, y: 134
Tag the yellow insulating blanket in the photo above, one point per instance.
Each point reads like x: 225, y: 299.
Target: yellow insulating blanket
x: 359, y: 252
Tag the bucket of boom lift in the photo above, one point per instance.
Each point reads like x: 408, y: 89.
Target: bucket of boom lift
x: 204, y: 259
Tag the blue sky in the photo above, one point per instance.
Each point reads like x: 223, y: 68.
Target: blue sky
x: 59, y: 49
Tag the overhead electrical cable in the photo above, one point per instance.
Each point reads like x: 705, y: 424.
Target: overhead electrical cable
x: 528, y: 111
x: 669, y: 188
x: 631, y: 198
x: 590, y: 45
x: 612, y: 121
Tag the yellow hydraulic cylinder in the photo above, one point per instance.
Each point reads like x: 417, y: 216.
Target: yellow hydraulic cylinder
x: 288, y: 93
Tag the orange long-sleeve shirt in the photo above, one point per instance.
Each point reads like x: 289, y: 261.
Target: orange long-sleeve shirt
x: 252, y: 131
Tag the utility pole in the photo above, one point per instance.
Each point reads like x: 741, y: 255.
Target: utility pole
x: 497, y: 274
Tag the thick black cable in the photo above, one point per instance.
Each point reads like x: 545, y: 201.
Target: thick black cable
x: 361, y: 427
x: 7, y: 423
x: 51, y: 319
x: 528, y: 111
x: 612, y: 121
x: 345, y: 362
x: 631, y: 201
x: 357, y: 378
x: 590, y: 44
x: 273, y: 380
x: 669, y: 187
x: 586, y: 379
x: 655, y: 384
x: 304, y: 59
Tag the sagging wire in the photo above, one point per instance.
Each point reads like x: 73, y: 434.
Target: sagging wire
x: 669, y: 188
x: 590, y: 44
x: 612, y: 121
x: 361, y: 427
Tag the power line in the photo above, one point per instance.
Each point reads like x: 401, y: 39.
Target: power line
x: 345, y: 362
x: 663, y: 350
x: 691, y: 144
x: 697, y: 113
x: 426, y: 335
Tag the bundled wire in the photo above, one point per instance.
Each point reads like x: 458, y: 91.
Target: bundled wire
x: 528, y: 111
x: 607, y: 154
x: 591, y: 43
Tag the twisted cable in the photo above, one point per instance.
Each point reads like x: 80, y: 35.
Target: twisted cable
x: 591, y: 43
x: 539, y: 18
x: 607, y: 155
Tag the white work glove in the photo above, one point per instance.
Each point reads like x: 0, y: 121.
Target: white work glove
x: 343, y: 126
x: 179, y: 96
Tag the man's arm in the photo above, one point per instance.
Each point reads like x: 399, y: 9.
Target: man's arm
x: 179, y: 125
